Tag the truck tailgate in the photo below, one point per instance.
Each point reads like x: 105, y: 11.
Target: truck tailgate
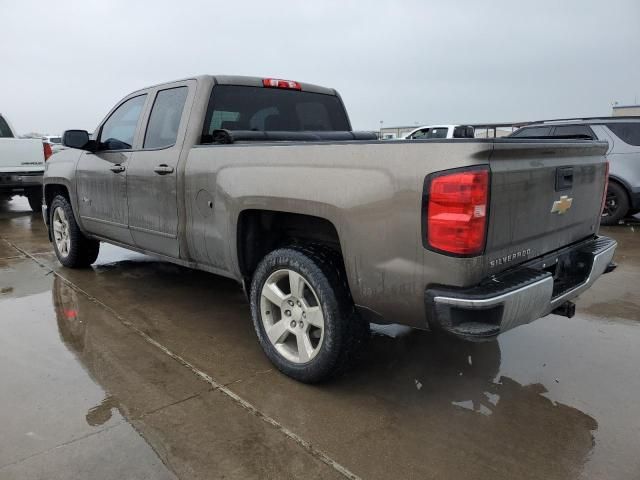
x: 21, y: 155
x: 545, y: 194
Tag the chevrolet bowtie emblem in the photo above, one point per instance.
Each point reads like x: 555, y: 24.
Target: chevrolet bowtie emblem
x: 561, y: 206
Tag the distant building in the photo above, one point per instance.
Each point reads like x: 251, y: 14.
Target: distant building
x: 625, y: 110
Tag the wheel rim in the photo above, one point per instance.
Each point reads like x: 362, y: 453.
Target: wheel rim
x: 61, y: 236
x: 292, y: 316
x: 610, y: 205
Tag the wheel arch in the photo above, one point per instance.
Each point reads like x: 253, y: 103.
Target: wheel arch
x: 259, y: 232
x: 53, y: 189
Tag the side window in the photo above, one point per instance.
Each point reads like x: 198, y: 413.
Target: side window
x: 627, y: 132
x: 164, y: 121
x: 532, y: 132
x: 439, y: 132
x: 119, y: 130
x: 420, y: 134
x: 573, y: 130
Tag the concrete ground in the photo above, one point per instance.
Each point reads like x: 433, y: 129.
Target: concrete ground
x: 141, y: 369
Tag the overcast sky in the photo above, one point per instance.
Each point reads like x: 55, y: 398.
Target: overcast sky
x: 65, y: 63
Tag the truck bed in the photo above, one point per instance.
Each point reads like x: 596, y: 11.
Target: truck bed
x: 372, y: 191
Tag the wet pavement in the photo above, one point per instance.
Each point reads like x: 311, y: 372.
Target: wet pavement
x: 142, y: 369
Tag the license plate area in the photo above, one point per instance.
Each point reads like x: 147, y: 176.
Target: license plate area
x: 569, y: 268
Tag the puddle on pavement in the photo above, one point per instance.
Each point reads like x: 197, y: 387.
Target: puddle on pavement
x: 50, y: 402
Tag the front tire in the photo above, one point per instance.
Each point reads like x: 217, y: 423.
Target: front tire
x: 303, y: 313
x: 616, y: 205
x: 72, y: 248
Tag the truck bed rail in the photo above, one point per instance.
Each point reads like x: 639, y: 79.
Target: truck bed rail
x: 222, y: 136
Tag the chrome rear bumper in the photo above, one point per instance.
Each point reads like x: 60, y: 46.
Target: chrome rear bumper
x: 520, y: 295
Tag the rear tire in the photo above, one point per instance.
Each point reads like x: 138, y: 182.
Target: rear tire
x: 616, y: 205
x: 35, y: 200
x: 313, y: 333
x: 72, y: 248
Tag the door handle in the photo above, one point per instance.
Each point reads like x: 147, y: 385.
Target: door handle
x: 117, y: 168
x: 163, y: 169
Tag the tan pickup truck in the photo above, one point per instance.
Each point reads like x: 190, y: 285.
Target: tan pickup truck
x: 328, y: 230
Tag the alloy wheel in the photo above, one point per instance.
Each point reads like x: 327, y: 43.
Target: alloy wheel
x: 292, y: 316
x: 61, y: 231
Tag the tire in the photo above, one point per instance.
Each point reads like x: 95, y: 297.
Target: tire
x: 616, y: 205
x: 35, y: 200
x: 72, y: 248
x: 324, y: 292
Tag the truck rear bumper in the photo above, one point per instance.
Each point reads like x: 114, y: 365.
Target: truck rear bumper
x: 19, y: 181
x: 519, y: 295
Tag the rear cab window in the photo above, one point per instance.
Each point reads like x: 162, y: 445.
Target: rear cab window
x: 628, y: 132
x: 233, y: 107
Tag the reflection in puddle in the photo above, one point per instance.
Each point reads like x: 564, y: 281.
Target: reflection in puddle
x: 101, y: 414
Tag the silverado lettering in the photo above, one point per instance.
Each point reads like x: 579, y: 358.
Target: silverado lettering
x: 510, y: 257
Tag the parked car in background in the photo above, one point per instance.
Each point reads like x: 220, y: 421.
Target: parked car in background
x: 440, y: 131
x: 623, y: 136
x: 21, y: 165
x: 262, y: 180
x: 54, y: 141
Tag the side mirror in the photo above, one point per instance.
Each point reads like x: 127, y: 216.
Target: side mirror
x: 76, y: 139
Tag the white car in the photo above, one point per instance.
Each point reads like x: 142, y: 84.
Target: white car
x: 21, y: 165
x: 440, y: 131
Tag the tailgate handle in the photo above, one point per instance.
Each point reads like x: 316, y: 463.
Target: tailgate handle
x: 564, y: 178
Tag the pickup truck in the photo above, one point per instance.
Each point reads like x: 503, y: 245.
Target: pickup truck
x: 21, y: 166
x: 329, y: 230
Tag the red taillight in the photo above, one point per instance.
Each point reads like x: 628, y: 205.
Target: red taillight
x: 278, y: 83
x: 457, y: 212
x: 606, y: 185
x: 47, y: 151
